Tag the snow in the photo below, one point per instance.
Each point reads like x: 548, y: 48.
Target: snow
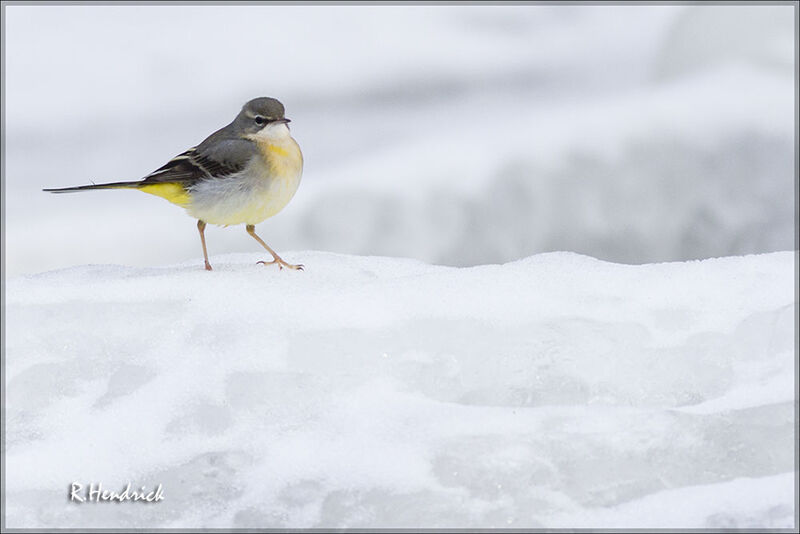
x: 553, y: 391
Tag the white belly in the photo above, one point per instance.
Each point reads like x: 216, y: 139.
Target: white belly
x: 244, y: 199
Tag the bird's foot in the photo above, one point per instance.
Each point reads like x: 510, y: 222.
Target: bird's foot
x: 281, y: 264
x: 208, y: 267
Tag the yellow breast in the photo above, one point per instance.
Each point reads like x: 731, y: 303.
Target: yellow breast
x: 283, y: 157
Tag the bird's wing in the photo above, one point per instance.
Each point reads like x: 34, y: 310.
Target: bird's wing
x: 221, y: 159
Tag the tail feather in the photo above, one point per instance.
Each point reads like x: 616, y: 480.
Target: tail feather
x: 113, y: 185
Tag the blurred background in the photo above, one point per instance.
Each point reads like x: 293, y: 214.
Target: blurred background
x: 458, y: 135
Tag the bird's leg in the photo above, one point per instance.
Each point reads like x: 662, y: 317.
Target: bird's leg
x: 201, y: 227
x: 251, y: 229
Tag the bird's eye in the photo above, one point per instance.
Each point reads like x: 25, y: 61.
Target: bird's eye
x: 260, y: 120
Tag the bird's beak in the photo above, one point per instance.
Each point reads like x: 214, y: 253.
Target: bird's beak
x: 285, y: 121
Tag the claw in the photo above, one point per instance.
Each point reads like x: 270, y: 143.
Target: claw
x: 281, y: 264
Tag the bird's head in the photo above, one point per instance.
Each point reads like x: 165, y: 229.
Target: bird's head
x: 262, y: 116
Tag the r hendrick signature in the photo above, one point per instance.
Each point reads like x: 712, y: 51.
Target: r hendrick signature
x: 96, y: 493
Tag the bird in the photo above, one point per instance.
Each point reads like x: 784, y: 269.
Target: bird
x: 244, y: 173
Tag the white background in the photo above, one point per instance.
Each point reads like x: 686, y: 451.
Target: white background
x: 459, y: 135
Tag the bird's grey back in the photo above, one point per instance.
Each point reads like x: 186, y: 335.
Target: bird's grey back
x: 225, y: 152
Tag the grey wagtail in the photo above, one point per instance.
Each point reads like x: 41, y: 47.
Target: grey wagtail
x: 243, y: 173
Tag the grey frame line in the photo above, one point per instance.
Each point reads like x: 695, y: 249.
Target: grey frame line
x: 405, y: 3
x: 5, y: 3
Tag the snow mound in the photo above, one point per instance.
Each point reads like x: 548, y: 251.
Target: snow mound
x: 554, y: 391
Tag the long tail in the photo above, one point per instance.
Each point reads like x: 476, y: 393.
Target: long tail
x: 113, y: 185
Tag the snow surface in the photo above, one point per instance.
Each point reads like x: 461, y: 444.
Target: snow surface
x: 457, y: 135
x: 553, y: 391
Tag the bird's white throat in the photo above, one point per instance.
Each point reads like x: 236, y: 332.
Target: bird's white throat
x: 276, y: 131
